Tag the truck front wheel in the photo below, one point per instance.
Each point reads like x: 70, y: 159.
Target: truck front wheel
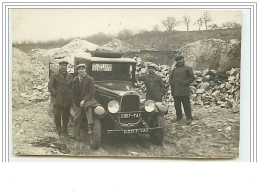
x: 95, y: 137
x: 157, y: 136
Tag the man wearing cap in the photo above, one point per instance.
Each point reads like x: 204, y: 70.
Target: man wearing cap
x: 180, y: 79
x: 154, y: 84
x: 83, y: 98
x: 60, y: 88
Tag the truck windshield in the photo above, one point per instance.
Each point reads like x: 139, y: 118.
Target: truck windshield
x: 106, y: 71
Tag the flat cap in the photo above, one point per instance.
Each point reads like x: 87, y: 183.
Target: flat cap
x: 81, y: 65
x: 63, y: 62
x: 178, y: 58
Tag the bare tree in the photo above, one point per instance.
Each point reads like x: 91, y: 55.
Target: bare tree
x: 125, y: 33
x: 186, y: 21
x: 199, y: 22
x: 213, y: 26
x: 206, y: 19
x: 155, y: 28
x: 229, y: 25
x: 169, y: 23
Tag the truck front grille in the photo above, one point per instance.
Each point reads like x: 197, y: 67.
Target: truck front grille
x: 130, y: 104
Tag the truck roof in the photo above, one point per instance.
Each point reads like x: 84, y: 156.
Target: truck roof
x: 88, y: 56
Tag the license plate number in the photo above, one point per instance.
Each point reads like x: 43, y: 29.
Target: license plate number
x: 134, y: 131
x: 130, y: 115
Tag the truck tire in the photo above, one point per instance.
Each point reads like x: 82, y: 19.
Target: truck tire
x: 158, y: 136
x: 95, y: 137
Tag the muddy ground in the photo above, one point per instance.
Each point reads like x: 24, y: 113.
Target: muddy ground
x: 214, y: 134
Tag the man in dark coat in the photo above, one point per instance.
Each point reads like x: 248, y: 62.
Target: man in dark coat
x: 154, y: 84
x: 60, y: 88
x: 180, y: 79
x: 83, y: 98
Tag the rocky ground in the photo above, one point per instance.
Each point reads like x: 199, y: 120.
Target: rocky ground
x: 214, y: 134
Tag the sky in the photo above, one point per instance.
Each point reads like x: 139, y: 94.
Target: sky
x: 51, y: 24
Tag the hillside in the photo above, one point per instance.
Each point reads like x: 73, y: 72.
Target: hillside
x: 146, y: 40
x: 177, y: 39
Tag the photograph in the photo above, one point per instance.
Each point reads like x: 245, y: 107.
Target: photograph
x: 126, y: 83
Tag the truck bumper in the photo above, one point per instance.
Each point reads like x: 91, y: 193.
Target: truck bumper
x: 134, y: 131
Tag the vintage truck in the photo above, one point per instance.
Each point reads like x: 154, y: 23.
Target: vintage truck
x: 121, y: 110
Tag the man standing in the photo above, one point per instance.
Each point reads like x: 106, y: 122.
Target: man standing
x: 180, y: 79
x: 60, y: 88
x: 154, y: 84
x: 83, y: 98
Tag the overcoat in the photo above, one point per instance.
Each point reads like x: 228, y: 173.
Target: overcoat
x: 180, y: 79
x: 60, y: 87
x: 84, y: 91
x: 154, y: 85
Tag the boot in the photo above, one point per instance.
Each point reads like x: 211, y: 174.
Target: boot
x: 65, y: 128
x: 58, y: 129
x: 90, y: 129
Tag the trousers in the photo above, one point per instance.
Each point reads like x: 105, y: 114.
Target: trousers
x: 185, y: 100
x: 79, y: 111
x: 61, y: 112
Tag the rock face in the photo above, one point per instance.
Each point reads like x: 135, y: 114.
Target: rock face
x: 212, y: 54
x: 29, y: 79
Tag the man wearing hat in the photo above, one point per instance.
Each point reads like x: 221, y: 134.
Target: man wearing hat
x: 180, y: 79
x: 154, y: 84
x: 60, y: 88
x: 83, y: 98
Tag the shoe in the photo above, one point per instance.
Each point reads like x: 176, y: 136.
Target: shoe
x: 176, y: 120
x: 189, y: 121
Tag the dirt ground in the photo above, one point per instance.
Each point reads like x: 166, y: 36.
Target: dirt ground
x: 213, y: 134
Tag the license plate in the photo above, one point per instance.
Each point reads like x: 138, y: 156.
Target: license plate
x: 130, y: 115
x: 135, y: 131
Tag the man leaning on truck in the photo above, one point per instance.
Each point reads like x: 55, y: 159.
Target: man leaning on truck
x: 83, y: 98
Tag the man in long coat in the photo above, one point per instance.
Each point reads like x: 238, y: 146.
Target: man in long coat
x: 60, y: 88
x: 154, y: 84
x: 180, y: 79
x: 83, y: 98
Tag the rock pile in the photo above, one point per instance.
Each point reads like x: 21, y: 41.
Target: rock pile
x: 209, y: 88
x: 29, y: 79
x: 118, y: 45
x: 212, y: 88
x: 67, y: 52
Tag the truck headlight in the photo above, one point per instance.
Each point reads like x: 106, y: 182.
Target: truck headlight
x: 149, y: 106
x: 113, y: 106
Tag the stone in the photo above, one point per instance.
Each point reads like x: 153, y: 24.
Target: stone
x: 228, y: 129
x: 231, y: 79
x: 222, y: 86
x: 216, y: 93
x: 198, y: 79
x: 204, y: 85
x: 204, y: 72
x: 200, y: 91
x: 197, y: 73
x: 228, y: 85
x: 236, y: 107
x: 209, y: 92
x: 232, y: 71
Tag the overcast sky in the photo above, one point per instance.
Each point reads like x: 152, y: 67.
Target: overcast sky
x: 49, y: 24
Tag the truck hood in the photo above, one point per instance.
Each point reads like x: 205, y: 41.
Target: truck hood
x: 118, y: 88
